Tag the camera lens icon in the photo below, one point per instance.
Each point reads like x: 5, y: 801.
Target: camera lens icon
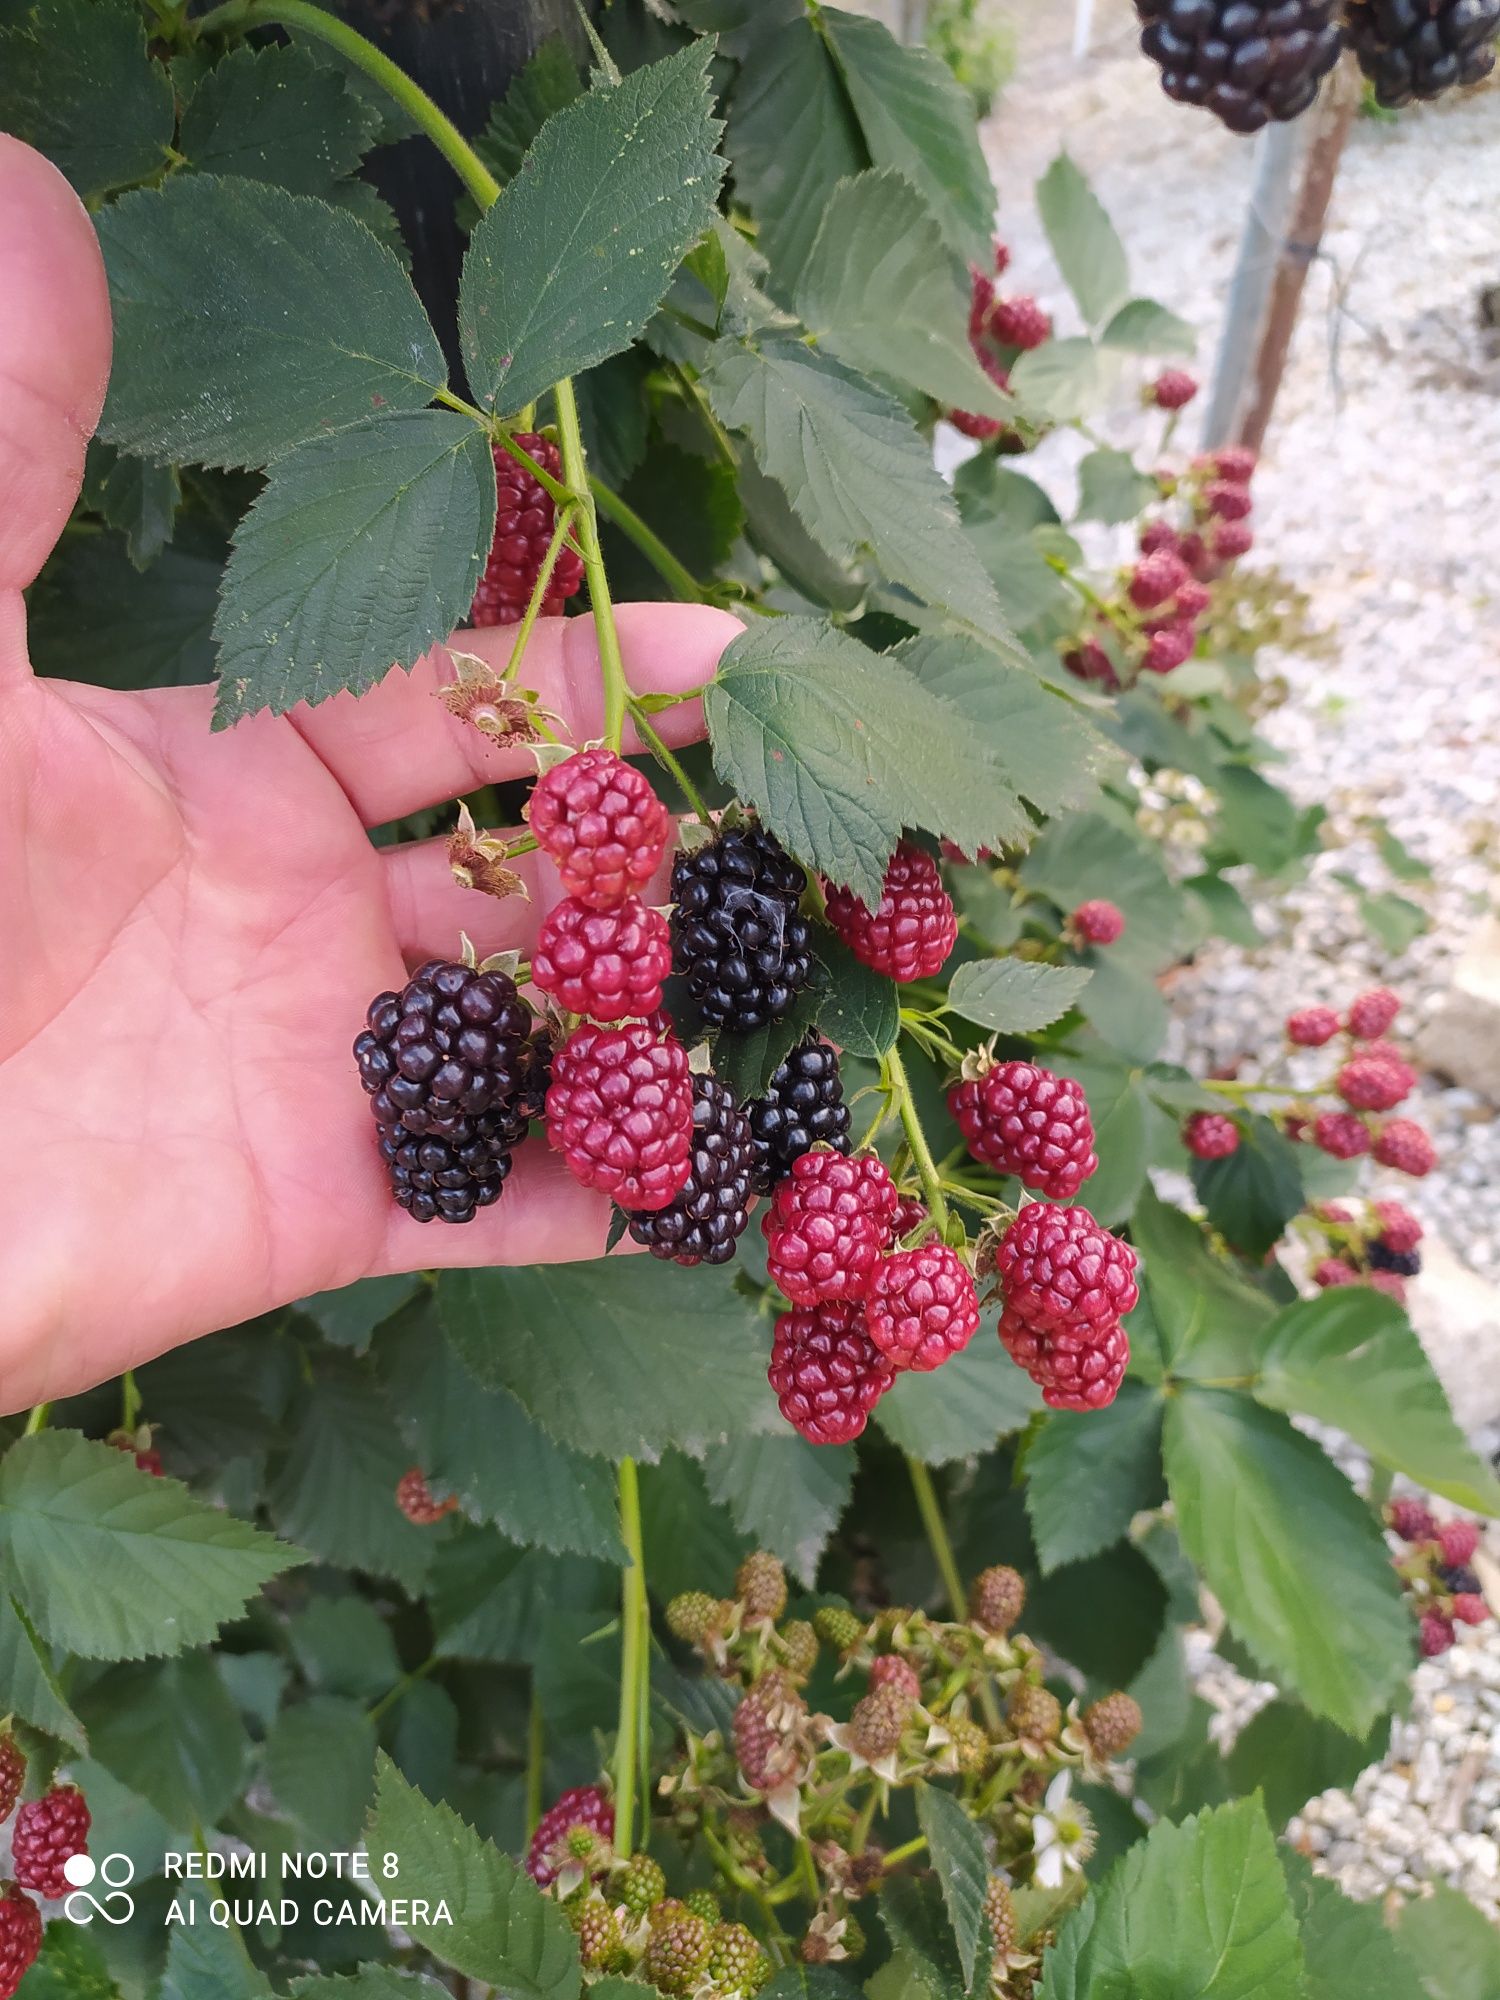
x: 79, y: 1870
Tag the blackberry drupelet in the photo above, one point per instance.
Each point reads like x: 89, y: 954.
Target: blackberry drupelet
x: 1420, y: 48
x: 451, y: 1078
x: 1405, y: 1263
x: 803, y: 1107
x: 703, y: 1223
x: 738, y: 937
x: 1247, y: 61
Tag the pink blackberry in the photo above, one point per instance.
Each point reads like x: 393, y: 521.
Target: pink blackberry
x: 1457, y: 1541
x: 1158, y: 535
x: 1331, y: 1271
x: 1311, y: 1027
x: 1192, y: 600
x: 1098, y: 922
x: 1227, y: 500
x: 598, y: 820
x: 12, y: 1774
x: 579, y: 1828
x: 827, y: 1224
x: 1231, y: 539
x: 1341, y: 1134
x: 1401, y: 1143
x: 1209, y: 1135
x: 47, y: 1833
x: 1412, y: 1520
x: 826, y: 1371
x: 525, y: 517
x: 1470, y: 1608
x: 1021, y: 1119
x: 1234, y: 461
x: 1372, y: 1013
x: 1019, y: 322
x: 911, y: 931
x: 911, y: 1213
x: 1060, y: 1268
x: 20, y: 1938
x: 1076, y: 1366
x: 1088, y: 661
x: 1435, y: 1635
x: 922, y: 1306
x: 1369, y: 1082
x: 1400, y: 1230
x: 1173, y: 389
x: 1156, y: 579
x: 1168, y: 646
x: 620, y: 1111
x: 765, y: 1732
x: 608, y: 964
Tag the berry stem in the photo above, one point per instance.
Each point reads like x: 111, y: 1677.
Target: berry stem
x: 649, y: 735
x: 575, y: 471
x: 906, y: 1851
x: 676, y: 575
x: 916, y: 1138
x: 130, y: 1401
x: 634, y: 1660
x: 402, y: 1688
x: 539, y: 588
x: 937, y: 1535
x: 37, y: 1421
x: 561, y: 494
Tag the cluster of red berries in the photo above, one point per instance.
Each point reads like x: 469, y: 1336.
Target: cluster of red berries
x: 1161, y: 602
x: 48, y: 1832
x: 1373, y: 1078
x: 525, y: 519
x: 1378, y: 1248
x: 1000, y: 328
x: 1436, y: 1573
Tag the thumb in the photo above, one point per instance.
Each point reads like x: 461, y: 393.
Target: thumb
x: 54, y: 356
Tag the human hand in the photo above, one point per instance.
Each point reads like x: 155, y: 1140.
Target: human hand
x: 193, y: 924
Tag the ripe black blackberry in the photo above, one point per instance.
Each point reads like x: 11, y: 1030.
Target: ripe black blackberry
x: 803, y: 1107
x: 1458, y: 1579
x: 1247, y: 61
x: 738, y: 938
x: 1405, y: 1263
x: 451, y: 1078
x: 703, y: 1223
x: 1420, y: 48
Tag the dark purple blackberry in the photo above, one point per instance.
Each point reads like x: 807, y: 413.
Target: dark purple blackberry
x: 738, y: 938
x: 803, y: 1105
x: 1247, y: 61
x: 451, y: 1077
x: 704, y: 1222
x: 1420, y: 48
x: 1459, y: 1580
x: 1405, y: 1263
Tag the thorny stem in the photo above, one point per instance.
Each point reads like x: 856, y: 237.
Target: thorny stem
x: 634, y: 1663
x: 652, y: 739
x: 916, y: 1138
x: 676, y: 575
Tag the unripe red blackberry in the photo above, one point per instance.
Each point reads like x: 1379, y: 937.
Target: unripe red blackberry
x: 20, y: 1938
x: 1209, y: 1135
x: 620, y: 1111
x: 1389, y: 1282
x: 1330, y: 1272
x: 799, y: 1648
x: 827, y: 1224
x: 12, y: 1774
x: 1311, y: 1027
x: 1435, y: 1634
x: 1401, y: 1143
x: 1341, y: 1134
x: 584, y: 1810
x: 1471, y: 1608
x: 922, y: 1306
x: 1173, y: 389
x: 676, y: 1953
x: 736, y: 1963
x: 1168, y: 646
x: 760, y: 1584
x: 1231, y: 540
x: 765, y: 1732
x: 1369, y: 1082
x: 1156, y: 579
x: 1034, y: 1712
x: 997, y: 1597
x: 1422, y: 48
x: 1112, y: 1724
x: 838, y: 1627
x: 1192, y: 600
x: 1158, y: 535
x: 1247, y: 61
x: 1098, y: 922
x: 1000, y: 1915
x: 49, y: 1832
x: 1077, y: 1366
x: 1412, y: 1520
x: 1400, y: 1230
x: 984, y: 429
x: 738, y: 938
x: 692, y: 1615
x: 890, y: 1670
x: 912, y: 929
x: 1227, y: 500
x: 1060, y: 1268
x: 911, y: 1213
x: 1088, y: 661
x: 1372, y: 1013
x: 826, y: 1371
x: 418, y: 1502
x: 445, y: 1063
x: 639, y: 1885
x: 803, y: 1107
x: 1234, y: 461
x: 525, y: 516
x: 1457, y: 1541
x: 706, y: 1218
x: 601, y: 824
x: 1021, y: 1119
x: 879, y: 1722
x: 1019, y: 322
x: 608, y: 964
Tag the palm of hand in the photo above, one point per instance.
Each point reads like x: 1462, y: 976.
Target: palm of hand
x: 195, y: 923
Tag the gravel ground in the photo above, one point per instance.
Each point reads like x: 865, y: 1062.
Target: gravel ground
x: 1377, y: 496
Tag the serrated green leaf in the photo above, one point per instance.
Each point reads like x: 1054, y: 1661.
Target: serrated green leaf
x: 1124, y: 1006
x: 344, y: 1646
x: 320, y: 1766
x: 28, y: 1682
x: 1087, y: 855
x: 169, y: 1731
x: 876, y: 251
x: 1198, y: 1911
x: 961, y: 1408
x: 112, y: 1564
x: 1119, y: 1108
x: 248, y: 319
x: 549, y: 82
x: 349, y: 1316
x: 1061, y: 379
x: 570, y: 266
x: 785, y: 1494
x: 71, y: 1966
x: 1350, y: 1358
x: 1289, y: 1756
x: 1395, y: 921
x: 77, y: 83
x: 917, y: 118
x: 840, y: 748
x: 860, y: 1011
x: 618, y: 1357
x: 1268, y: 1519
x: 1088, y: 251
x: 1014, y: 996
x: 956, y: 1848
x: 93, y: 616
x: 1141, y: 326
x: 137, y: 498
x: 1110, y: 488
x: 363, y: 551
x: 205, y: 1960
x: 1252, y: 1196
x: 335, y: 1489
x: 1105, y: 1615
x: 1207, y: 1321
x: 1454, y: 1947
x: 480, y: 1444
x: 858, y: 473
x: 377, y: 1982
x: 1089, y: 1474
x: 691, y: 1541
x: 504, y: 1930
x: 276, y: 114
x: 1347, y: 1949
